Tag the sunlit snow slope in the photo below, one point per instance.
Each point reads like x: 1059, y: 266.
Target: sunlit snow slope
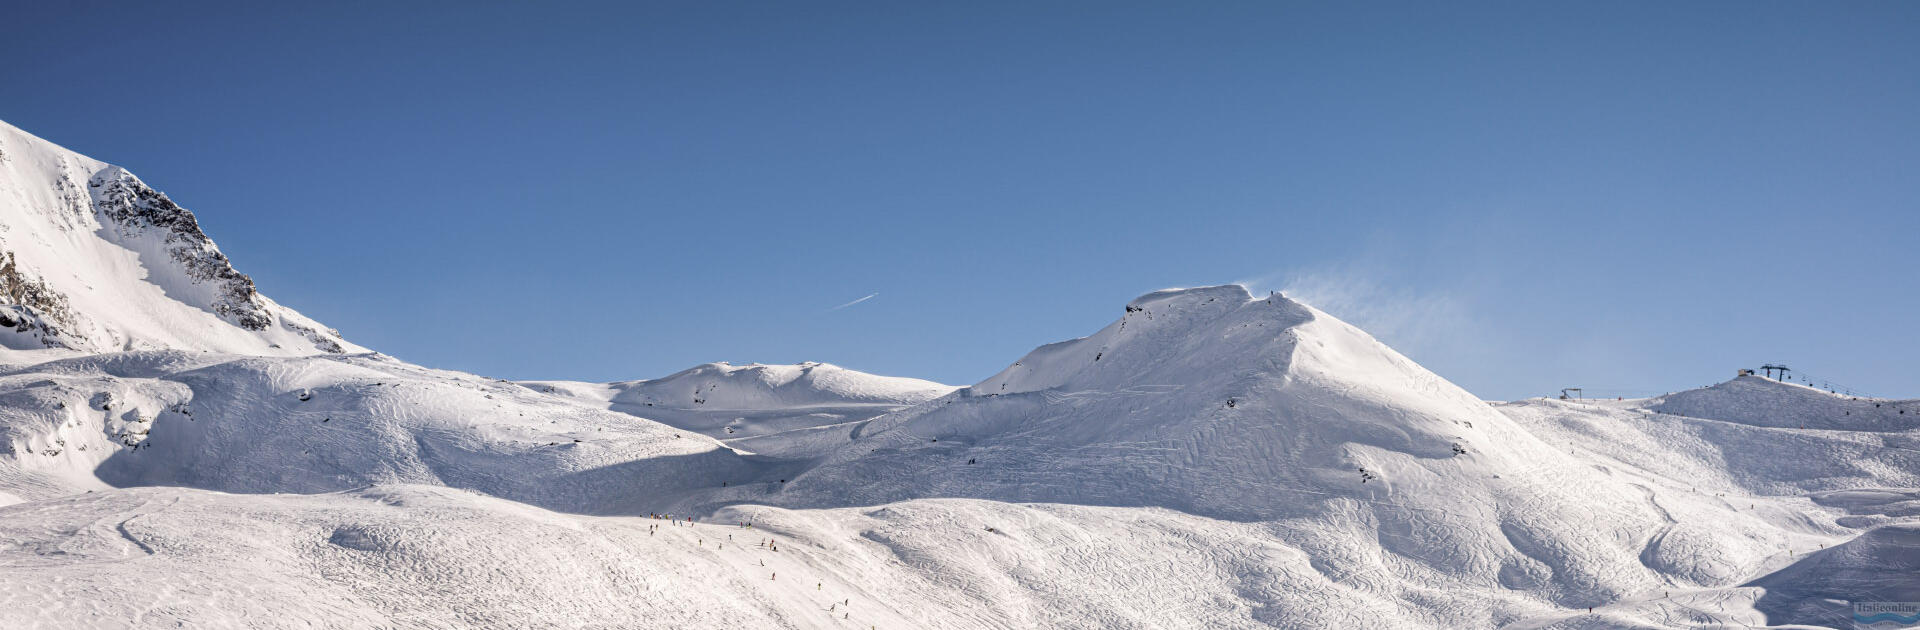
x: 178, y: 451
x: 326, y: 423
x: 92, y: 259
x: 1383, y: 476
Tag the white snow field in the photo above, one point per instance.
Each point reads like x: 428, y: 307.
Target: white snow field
x: 178, y: 452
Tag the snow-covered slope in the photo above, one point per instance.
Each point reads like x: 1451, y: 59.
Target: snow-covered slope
x: 1190, y: 389
x: 799, y: 410
x: 177, y: 450
x: 1741, y: 444
x: 93, y: 260
x: 334, y: 422
x: 1766, y: 402
x: 405, y: 556
x: 1386, y: 478
x: 1730, y: 439
x: 425, y: 557
x: 1196, y: 464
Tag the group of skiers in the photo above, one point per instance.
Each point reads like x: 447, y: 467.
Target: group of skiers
x: 670, y: 519
x: 769, y: 544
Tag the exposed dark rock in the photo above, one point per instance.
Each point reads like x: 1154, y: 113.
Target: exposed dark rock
x: 134, y: 208
x: 31, y: 306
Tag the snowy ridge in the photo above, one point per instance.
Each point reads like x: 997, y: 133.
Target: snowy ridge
x: 756, y: 386
x: 777, y: 410
x: 92, y: 259
x: 1766, y: 402
x: 176, y: 450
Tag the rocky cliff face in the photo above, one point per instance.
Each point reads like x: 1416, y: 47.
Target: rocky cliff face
x: 93, y: 259
x: 32, y: 308
x: 132, y: 209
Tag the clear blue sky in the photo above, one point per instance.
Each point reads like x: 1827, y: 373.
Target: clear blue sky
x: 1522, y: 196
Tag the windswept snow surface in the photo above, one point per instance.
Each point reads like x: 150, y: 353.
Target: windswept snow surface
x: 178, y: 451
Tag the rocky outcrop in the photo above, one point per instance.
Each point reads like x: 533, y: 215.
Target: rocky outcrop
x: 130, y: 206
x: 31, y: 307
x: 92, y: 259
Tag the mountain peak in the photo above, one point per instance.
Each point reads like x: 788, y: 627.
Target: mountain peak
x: 1203, y: 400
x: 1223, y: 323
x: 93, y: 259
x: 1225, y: 294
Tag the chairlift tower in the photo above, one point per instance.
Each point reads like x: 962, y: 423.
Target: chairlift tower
x: 1564, y: 393
x: 1770, y: 368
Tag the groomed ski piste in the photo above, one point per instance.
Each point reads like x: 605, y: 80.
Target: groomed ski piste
x: 178, y: 451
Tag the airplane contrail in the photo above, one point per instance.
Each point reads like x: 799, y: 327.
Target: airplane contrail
x: 869, y: 297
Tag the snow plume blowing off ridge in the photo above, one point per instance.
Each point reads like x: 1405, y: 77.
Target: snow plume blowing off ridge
x: 94, y: 260
x: 1419, y: 322
x: 1190, y: 388
x: 1214, y: 402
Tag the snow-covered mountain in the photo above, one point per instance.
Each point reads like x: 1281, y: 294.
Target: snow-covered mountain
x: 1213, y: 403
x: 776, y: 410
x: 94, y: 260
x: 1187, y: 390
x: 178, y: 451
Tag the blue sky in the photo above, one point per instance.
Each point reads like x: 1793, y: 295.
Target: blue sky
x: 1522, y: 196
